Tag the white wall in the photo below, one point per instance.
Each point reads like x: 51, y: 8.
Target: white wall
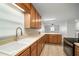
x: 48, y: 30
x: 63, y: 29
x: 70, y: 28
x: 77, y: 28
x: 10, y: 19
x: 42, y: 30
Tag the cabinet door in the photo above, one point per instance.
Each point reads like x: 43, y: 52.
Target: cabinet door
x: 53, y: 39
x: 33, y: 18
x: 59, y: 39
x: 34, y: 49
x: 38, y: 20
x: 33, y: 53
x: 76, y: 51
x: 25, y: 52
x: 39, y: 46
x: 43, y: 41
x: 47, y: 38
x: 26, y: 20
x: 39, y: 23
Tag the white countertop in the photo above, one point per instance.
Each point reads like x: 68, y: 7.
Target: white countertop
x: 51, y: 33
x: 77, y: 44
x: 13, y: 48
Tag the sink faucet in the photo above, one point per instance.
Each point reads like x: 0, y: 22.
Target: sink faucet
x: 17, y: 31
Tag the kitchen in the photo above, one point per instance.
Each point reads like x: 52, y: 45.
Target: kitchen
x: 39, y: 29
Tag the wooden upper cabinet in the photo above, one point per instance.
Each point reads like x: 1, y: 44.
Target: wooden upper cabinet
x: 39, y: 26
x: 27, y: 19
x: 25, y: 6
x: 38, y: 20
x: 31, y: 16
x: 28, y: 5
x: 34, y: 19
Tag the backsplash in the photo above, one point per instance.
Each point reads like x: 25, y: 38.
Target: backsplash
x: 28, y: 33
x: 31, y: 32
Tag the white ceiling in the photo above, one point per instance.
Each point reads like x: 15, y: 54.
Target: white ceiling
x: 60, y: 11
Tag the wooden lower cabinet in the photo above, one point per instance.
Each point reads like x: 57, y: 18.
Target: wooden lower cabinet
x: 76, y: 50
x: 59, y: 41
x: 54, y: 38
x: 47, y: 38
x: 39, y: 47
x: 34, y: 49
x: 25, y: 52
x: 41, y: 44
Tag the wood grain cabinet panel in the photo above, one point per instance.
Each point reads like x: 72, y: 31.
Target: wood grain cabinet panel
x: 40, y: 46
x: 25, y: 6
x: 34, y: 53
x: 25, y: 52
x: 76, y: 50
x: 59, y: 39
x: 33, y: 18
x: 28, y: 5
x: 54, y: 38
x: 34, y: 49
x: 38, y: 20
x: 47, y: 38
